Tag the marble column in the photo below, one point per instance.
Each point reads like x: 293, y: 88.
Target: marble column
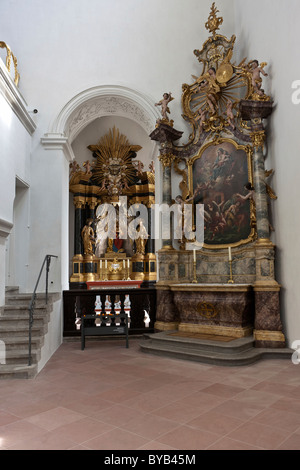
x: 166, y: 314
x: 77, y: 260
x: 267, y: 323
x: 166, y: 160
x: 78, y: 247
x: 165, y: 134
x: 261, y: 202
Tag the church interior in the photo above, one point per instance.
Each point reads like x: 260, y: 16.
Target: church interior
x: 153, y: 229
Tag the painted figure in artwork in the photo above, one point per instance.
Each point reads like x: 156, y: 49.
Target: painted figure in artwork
x: 167, y: 97
x: 88, y: 237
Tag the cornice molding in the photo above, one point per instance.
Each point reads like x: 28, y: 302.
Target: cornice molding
x: 15, y: 100
x: 58, y: 142
x: 5, y: 228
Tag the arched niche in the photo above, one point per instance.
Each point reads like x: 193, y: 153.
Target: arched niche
x: 85, y: 114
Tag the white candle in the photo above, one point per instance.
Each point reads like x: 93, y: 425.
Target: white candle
x: 106, y: 264
x: 128, y: 263
x: 100, y: 263
x: 229, y: 253
x: 194, y: 255
x: 123, y: 263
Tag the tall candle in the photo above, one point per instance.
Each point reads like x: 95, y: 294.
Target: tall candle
x: 229, y: 253
x: 100, y: 263
x: 194, y: 255
x: 128, y: 263
x: 123, y: 263
x: 106, y: 264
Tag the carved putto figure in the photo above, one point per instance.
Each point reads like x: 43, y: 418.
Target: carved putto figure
x: 256, y: 70
x: 229, y: 113
x: 167, y: 97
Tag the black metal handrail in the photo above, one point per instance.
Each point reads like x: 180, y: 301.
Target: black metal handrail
x: 47, y: 261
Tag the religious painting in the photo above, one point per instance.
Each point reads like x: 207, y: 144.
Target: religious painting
x: 220, y: 177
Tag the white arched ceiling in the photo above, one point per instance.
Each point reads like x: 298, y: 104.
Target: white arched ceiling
x: 94, y: 103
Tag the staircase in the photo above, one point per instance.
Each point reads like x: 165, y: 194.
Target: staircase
x: 14, y: 332
x: 238, y: 352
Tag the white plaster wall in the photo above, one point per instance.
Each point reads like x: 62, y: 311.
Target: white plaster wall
x: 15, y: 148
x: 54, y: 335
x: 65, y: 47
x: 268, y: 31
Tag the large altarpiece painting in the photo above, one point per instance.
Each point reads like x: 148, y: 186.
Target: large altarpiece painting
x: 219, y: 176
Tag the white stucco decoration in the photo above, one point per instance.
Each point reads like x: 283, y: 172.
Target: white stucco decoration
x: 96, y: 102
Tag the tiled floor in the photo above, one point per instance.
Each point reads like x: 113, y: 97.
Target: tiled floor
x: 110, y: 397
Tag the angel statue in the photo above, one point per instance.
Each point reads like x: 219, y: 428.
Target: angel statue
x: 256, y: 70
x: 167, y: 97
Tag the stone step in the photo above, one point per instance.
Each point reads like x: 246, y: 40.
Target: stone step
x: 16, y: 331
x: 24, y: 310
x: 11, y: 290
x: 17, y: 371
x: 240, y: 352
x: 21, y: 324
x: 173, y: 339
x: 21, y: 342
x: 20, y: 356
x: 25, y: 299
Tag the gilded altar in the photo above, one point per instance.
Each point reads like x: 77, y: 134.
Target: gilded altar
x: 230, y: 265
x: 112, y: 195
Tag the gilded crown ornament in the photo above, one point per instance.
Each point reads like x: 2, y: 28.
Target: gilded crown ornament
x: 213, y: 22
x: 211, y: 102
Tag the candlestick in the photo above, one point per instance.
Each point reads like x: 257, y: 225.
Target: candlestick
x: 231, y: 281
x: 106, y: 278
x: 128, y: 270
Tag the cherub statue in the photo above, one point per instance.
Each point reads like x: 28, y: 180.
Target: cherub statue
x: 74, y: 167
x: 201, y: 116
x: 152, y: 167
x: 229, y: 113
x: 88, y: 166
x: 167, y: 97
x: 256, y: 70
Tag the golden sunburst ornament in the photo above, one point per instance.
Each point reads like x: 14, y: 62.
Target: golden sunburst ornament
x: 114, y: 169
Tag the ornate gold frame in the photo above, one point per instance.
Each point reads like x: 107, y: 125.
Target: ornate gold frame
x: 249, y: 152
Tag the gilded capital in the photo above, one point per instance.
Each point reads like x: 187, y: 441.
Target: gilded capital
x: 258, y: 139
x: 78, y: 203
x: 167, y: 159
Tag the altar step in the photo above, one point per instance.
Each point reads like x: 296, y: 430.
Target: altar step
x: 14, y: 333
x: 237, y: 352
